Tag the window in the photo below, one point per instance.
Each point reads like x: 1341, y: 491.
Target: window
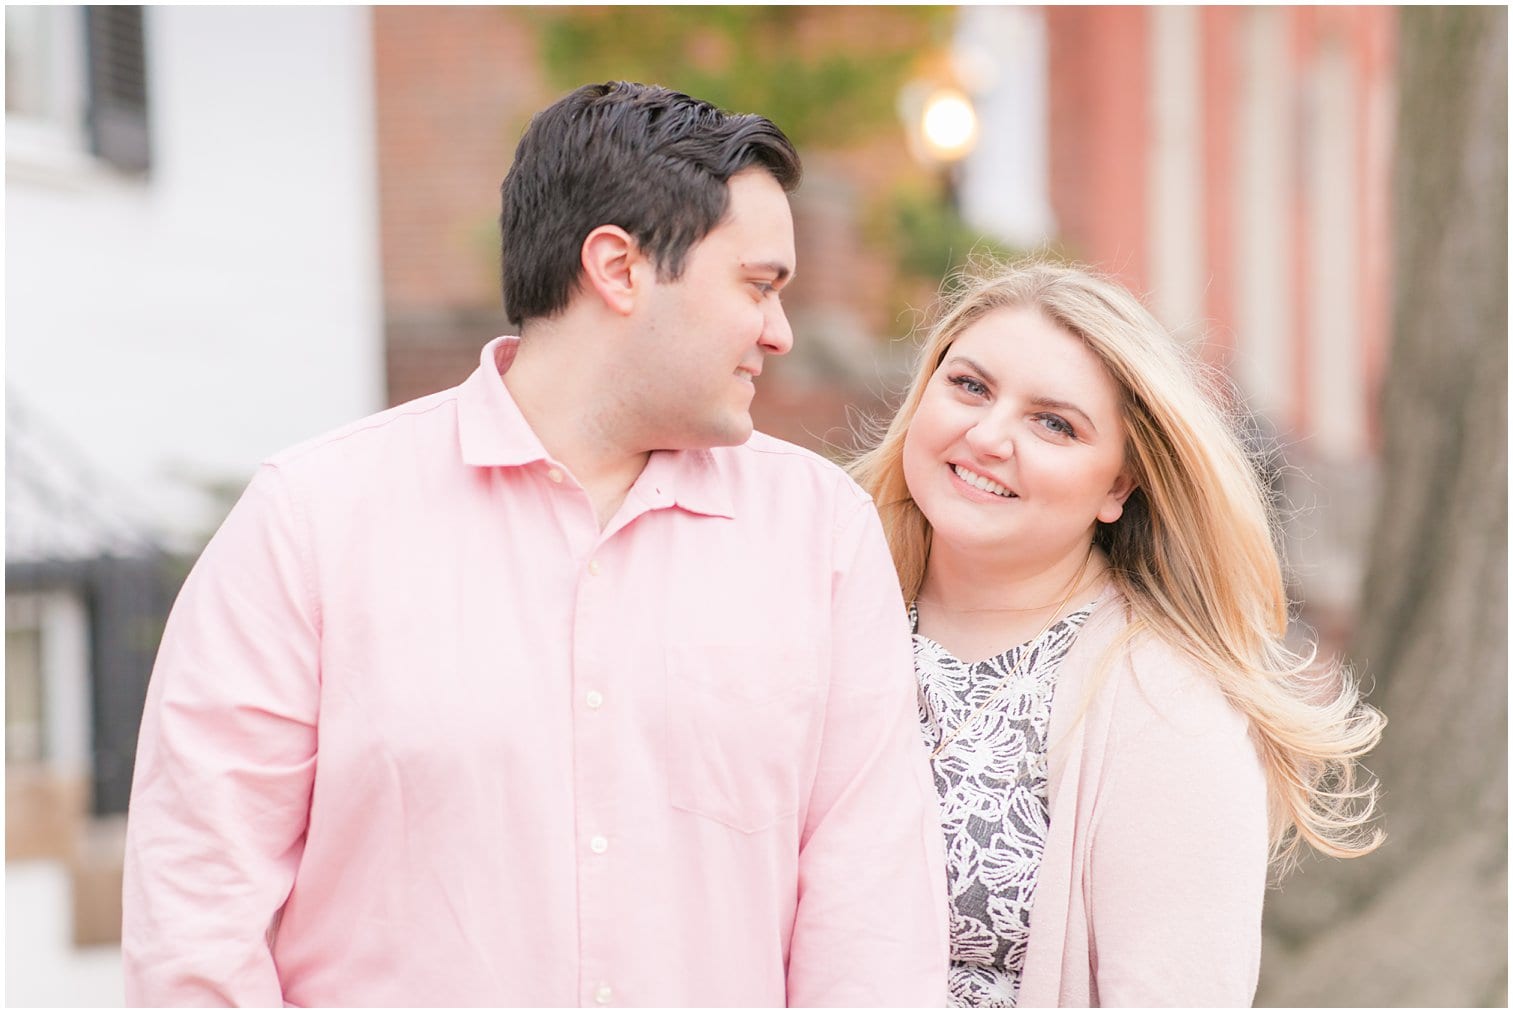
x: 117, y: 92
x: 47, y: 678
x: 28, y: 60
x: 24, y: 720
x: 76, y: 89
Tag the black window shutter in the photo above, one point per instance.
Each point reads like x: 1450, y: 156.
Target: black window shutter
x: 117, y: 87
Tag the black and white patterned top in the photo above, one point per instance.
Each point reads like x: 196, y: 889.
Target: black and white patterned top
x: 994, y: 798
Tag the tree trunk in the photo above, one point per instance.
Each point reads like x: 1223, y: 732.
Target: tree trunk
x: 1424, y: 920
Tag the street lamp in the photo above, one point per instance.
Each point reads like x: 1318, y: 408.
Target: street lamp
x: 948, y: 125
x: 940, y: 123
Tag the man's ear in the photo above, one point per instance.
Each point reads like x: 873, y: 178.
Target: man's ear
x: 1113, y: 504
x: 611, y: 258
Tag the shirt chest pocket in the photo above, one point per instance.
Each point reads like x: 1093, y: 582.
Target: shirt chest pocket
x: 742, y: 731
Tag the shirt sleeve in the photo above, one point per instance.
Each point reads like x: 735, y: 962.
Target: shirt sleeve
x: 225, y: 761
x: 1177, y: 871
x: 870, y: 928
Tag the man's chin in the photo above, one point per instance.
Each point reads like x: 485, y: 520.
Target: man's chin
x: 732, y: 432
x: 741, y: 431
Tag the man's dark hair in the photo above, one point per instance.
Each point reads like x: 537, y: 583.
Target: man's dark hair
x: 654, y: 162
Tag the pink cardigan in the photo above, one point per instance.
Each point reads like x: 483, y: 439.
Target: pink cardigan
x: 1155, y: 863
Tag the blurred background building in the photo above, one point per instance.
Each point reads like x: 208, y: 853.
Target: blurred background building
x: 191, y: 280
x: 230, y: 229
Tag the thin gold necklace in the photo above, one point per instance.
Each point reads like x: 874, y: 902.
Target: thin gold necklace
x: 965, y: 611
x: 1024, y: 655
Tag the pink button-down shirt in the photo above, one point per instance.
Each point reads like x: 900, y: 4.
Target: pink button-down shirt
x: 421, y: 733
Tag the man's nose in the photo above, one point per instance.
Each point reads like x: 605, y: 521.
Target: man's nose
x: 777, y: 336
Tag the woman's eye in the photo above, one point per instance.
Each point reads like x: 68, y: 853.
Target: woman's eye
x: 1058, y: 425
x: 970, y: 385
x: 764, y: 288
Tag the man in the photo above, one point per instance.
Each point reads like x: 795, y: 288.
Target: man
x: 560, y: 687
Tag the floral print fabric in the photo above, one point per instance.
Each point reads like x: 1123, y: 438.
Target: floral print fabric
x: 992, y: 784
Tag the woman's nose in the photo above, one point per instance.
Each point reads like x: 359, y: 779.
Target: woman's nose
x: 991, y: 437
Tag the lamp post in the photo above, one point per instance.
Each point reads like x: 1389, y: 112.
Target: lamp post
x: 941, y: 124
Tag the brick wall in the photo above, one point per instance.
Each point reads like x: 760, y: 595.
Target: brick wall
x: 454, y: 87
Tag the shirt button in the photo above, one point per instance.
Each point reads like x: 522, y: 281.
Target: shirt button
x: 555, y: 475
x: 598, y: 844
x: 603, y: 994
x: 593, y: 567
x: 594, y: 699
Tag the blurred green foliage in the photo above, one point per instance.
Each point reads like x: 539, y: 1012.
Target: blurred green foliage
x: 751, y: 59
x: 929, y: 234
x: 799, y: 67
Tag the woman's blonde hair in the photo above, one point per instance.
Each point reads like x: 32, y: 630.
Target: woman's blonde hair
x: 1193, y: 553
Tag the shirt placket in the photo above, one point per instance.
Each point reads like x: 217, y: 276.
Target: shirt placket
x: 598, y: 708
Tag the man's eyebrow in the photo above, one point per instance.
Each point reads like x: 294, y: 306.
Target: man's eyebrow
x: 779, y: 270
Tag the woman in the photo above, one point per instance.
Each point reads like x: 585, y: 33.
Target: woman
x: 1121, y: 739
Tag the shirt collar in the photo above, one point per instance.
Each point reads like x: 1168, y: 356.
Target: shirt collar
x: 690, y: 479
x: 494, y: 433
x: 492, y: 430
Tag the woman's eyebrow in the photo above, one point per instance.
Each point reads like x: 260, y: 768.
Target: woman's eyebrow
x: 973, y: 365
x: 1054, y: 404
x: 1064, y: 406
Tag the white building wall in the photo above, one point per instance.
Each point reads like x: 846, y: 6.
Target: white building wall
x: 180, y: 327
x: 1003, y: 61
x: 1331, y: 181
x: 1264, y: 289
x: 1174, y: 177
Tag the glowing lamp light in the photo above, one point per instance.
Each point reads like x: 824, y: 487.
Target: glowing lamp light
x: 948, y: 125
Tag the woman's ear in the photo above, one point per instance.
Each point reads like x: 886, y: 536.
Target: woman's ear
x: 610, y: 256
x: 1113, y: 504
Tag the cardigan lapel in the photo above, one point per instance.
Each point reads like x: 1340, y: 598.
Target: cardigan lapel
x: 1071, y: 758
